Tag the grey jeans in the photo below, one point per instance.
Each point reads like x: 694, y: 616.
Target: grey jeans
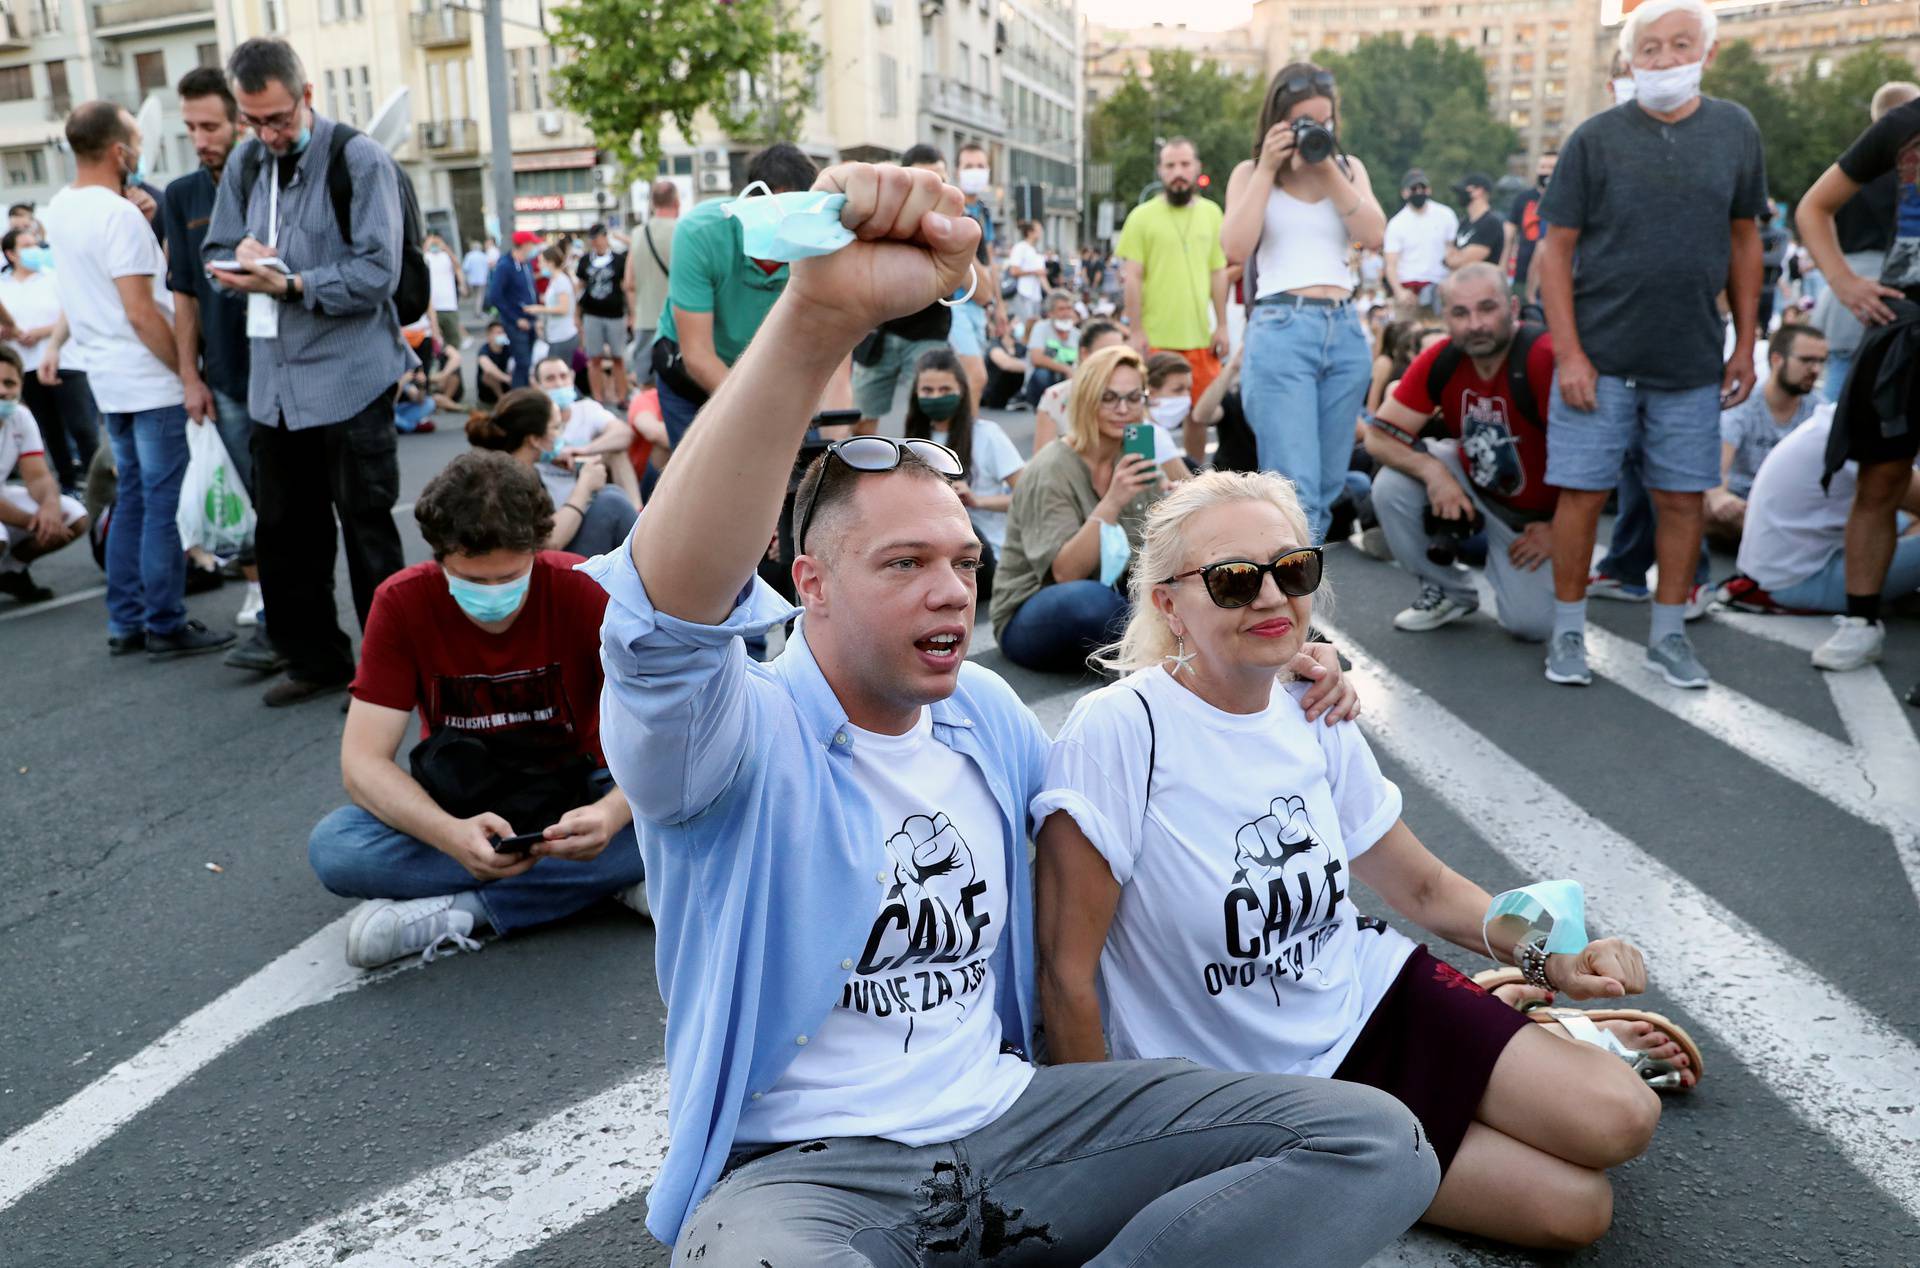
x: 1522, y: 597
x: 1122, y: 1162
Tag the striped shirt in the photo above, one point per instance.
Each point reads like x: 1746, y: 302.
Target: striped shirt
x: 339, y: 347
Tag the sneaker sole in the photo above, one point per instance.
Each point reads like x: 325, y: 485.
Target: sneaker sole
x: 1618, y: 596
x: 1570, y: 680
x: 360, y: 918
x: 1422, y: 628
x: 1674, y: 680
x: 1847, y: 667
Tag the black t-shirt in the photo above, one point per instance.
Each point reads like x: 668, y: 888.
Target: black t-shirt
x: 485, y: 392
x: 1865, y: 221
x: 600, y: 278
x: 1237, y: 450
x: 1527, y: 231
x: 186, y: 209
x: 1489, y: 231
x: 1892, y: 146
x: 1652, y: 202
x: 931, y: 322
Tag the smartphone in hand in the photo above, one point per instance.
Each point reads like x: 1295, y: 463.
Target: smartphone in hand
x: 1139, y: 439
x: 518, y: 844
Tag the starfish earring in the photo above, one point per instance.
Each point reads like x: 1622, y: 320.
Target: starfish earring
x: 1181, y: 658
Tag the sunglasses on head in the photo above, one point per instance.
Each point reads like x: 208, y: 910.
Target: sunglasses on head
x: 1319, y: 80
x: 1234, y: 583
x: 874, y: 454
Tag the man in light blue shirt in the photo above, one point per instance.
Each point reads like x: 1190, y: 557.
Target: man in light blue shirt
x: 836, y: 854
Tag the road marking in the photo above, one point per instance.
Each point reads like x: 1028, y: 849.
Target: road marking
x: 309, y: 974
x: 1841, y: 1070
x: 33, y: 609
x: 1803, y: 632
x: 503, y: 1199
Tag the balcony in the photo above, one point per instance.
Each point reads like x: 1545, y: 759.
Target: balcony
x: 14, y: 35
x: 58, y: 108
x: 955, y: 101
x: 125, y: 17
x: 450, y: 138
x: 442, y: 27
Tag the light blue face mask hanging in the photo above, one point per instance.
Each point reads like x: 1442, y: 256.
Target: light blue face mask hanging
x: 1115, y: 550
x: 1557, y: 908
x: 798, y: 225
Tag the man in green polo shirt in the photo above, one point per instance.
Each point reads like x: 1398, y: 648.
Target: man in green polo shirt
x: 716, y: 296
x: 1175, y: 268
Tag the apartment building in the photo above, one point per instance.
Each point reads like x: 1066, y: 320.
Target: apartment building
x: 1112, y: 52
x: 1041, y: 76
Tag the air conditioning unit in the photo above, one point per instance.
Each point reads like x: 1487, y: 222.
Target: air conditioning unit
x: 716, y: 182
x: 713, y: 156
x: 436, y: 136
x: 551, y: 123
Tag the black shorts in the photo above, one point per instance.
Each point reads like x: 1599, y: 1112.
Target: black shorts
x: 1432, y: 1041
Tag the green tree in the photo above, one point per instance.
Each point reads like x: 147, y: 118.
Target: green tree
x: 1737, y: 74
x: 1419, y: 104
x: 635, y: 64
x: 1178, y: 96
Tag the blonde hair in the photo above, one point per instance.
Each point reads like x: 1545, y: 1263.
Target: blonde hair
x: 1147, y: 639
x: 1892, y: 95
x: 1089, y: 381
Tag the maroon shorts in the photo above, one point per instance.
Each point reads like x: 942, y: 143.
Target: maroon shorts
x: 1432, y: 1042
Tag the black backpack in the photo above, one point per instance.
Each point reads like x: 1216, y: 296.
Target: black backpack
x: 1519, y: 387
x: 414, y: 289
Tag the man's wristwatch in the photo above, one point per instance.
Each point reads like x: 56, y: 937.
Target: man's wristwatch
x: 290, y: 293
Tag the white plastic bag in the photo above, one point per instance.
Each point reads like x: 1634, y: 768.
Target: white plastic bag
x: 215, y: 512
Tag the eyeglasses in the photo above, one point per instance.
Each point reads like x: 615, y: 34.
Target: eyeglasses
x: 282, y: 122
x: 1112, y: 400
x: 1234, y: 583
x: 874, y: 454
x: 1321, y: 80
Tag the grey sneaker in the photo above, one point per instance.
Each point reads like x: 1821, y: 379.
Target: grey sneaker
x: 384, y: 930
x: 1433, y: 609
x: 1673, y: 657
x: 1567, y: 660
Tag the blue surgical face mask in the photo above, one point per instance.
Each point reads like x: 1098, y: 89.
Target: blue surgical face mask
x: 301, y: 142
x: 7, y: 408
x: 564, y: 397
x: 490, y: 603
x: 39, y: 259
x: 792, y: 226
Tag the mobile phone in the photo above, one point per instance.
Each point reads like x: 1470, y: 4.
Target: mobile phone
x: 519, y: 844
x: 1139, y: 440
x: 234, y: 266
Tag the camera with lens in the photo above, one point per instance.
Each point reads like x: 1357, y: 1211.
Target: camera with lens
x: 1312, y: 140
x: 1444, y: 536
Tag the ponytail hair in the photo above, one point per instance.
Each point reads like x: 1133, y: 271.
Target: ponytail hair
x: 525, y: 412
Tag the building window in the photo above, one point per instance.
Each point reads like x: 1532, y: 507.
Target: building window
x: 536, y: 97
x: 1520, y: 118
x: 1559, y: 33
x: 25, y: 167
x: 59, y: 96
x: 1556, y: 88
x: 366, y: 97
x: 333, y: 99
x: 1490, y: 36
x: 965, y: 60
x: 150, y: 71
x: 207, y: 55
x: 889, y: 87
x: 276, y: 16
x: 46, y: 17
x: 1523, y: 36
x: 1521, y: 92
x: 513, y: 78
x: 1822, y: 67
x: 16, y: 83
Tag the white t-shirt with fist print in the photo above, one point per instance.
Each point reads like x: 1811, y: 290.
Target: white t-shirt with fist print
x: 1235, y: 942
x: 911, y: 1053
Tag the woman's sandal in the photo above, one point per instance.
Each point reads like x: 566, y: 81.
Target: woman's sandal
x: 1582, y: 1024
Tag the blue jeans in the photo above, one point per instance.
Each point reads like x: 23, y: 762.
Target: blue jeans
x: 520, y: 344
x: 1054, y: 631
x: 676, y: 412
x: 1838, y: 366
x: 1038, y: 381
x: 1826, y: 590
x: 408, y: 415
x: 609, y: 518
x: 1303, y: 384
x: 355, y: 855
x: 1631, y: 552
x: 146, y: 567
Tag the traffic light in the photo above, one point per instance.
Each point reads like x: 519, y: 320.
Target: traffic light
x: 1205, y: 180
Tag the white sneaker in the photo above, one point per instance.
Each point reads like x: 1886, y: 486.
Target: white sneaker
x: 635, y: 898
x: 1433, y: 609
x: 1373, y: 541
x: 250, y: 610
x: 1699, y: 599
x: 385, y: 930
x: 1855, y: 643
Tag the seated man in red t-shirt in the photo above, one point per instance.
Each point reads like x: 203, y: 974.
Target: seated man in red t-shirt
x: 497, y: 644
x: 1489, y: 382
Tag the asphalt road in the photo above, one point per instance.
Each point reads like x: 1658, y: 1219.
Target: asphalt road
x: 1750, y: 839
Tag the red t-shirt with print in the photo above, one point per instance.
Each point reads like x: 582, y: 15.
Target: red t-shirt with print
x: 420, y: 651
x: 1505, y: 456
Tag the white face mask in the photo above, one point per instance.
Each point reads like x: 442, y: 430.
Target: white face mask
x: 1170, y: 411
x: 1623, y: 90
x: 1667, y: 90
x: 974, y: 181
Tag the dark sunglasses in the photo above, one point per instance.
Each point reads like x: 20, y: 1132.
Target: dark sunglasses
x: 1320, y: 80
x: 873, y: 454
x: 1234, y: 583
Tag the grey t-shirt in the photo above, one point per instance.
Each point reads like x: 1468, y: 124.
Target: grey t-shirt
x: 1750, y: 428
x: 1652, y: 202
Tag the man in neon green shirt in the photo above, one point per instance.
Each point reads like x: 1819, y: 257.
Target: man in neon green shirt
x: 1175, y: 268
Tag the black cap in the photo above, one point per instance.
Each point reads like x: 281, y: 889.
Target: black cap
x: 1476, y: 180
x: 1414, y: 177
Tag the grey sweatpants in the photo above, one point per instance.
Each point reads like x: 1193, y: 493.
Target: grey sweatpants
x: 1116, y: 1163
x: 1523, y: 598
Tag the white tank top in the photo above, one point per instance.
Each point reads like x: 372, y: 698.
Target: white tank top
x: 1302, y: 244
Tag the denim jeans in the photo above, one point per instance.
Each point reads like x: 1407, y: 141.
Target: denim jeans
x: 1037, y: 383
x: 1826, y: 590
x: 355, y: 855
x: 146, y: 567
x: 1631, y: 552
x: 1303, y: 384
x: 1106, y: 1164
x: 605, y: 526
x: 1838, y: 366
x: 676, y: 412
x: 408, y: 415
x: 1054, y: 631
x: 236, y: 433
x: 520, y: 345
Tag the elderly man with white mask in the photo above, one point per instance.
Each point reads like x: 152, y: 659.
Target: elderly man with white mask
x: 1651, y: 214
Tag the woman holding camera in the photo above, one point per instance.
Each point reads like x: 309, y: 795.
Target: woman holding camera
x: 1295, y: 211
